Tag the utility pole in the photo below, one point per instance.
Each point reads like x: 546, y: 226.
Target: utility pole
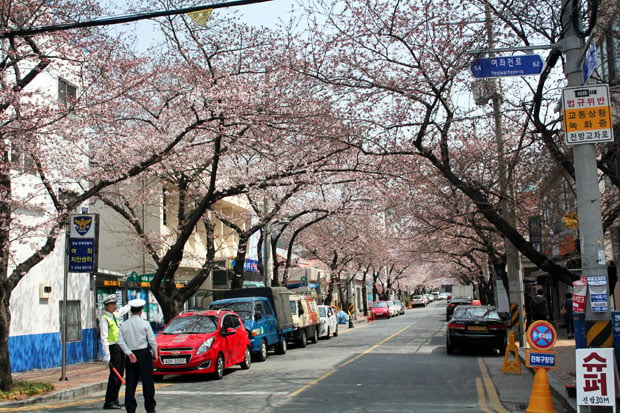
x: 513, y: 268
x: 586, y: 176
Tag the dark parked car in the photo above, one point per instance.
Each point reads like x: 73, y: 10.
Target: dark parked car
x: 476, y: 326
x: 453, y: 303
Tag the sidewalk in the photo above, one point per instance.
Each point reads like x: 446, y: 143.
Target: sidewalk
x: 91, y: 377
x: 82, y: 379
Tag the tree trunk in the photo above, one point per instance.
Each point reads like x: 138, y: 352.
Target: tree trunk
x: 364, y: 300
x: 343, y: 299
x: 238, y: 273
x: 330, y: 292
x: 6, y: 380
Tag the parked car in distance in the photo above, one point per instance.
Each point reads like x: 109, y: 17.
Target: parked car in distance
x: 444, y: 296
x: 400, y: 307
x: 328, y: 321
x: 418, y: 300
x: 199, y: 342
x: 453, y: 303
x: 380, y: 309
x: 429, y: 298
x: 476, y: 326
x: 392, y: 307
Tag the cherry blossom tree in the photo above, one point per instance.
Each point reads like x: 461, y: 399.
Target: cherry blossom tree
x: 263, y: 128
x: 63, y: 149
x: 405, y: 79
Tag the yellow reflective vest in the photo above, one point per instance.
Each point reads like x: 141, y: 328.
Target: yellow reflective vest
x: 113, y: 328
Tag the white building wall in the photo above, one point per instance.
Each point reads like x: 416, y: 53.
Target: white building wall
x: 34, y: 336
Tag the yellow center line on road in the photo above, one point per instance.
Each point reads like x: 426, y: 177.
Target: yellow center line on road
x: 335, y: 369
x: 482, y: 400
x: 33, y: 407
x: 490, y: 388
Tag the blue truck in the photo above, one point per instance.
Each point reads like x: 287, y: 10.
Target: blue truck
x: 266, y: 313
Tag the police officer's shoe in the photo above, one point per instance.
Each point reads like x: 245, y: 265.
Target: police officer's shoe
x: 112, y: 406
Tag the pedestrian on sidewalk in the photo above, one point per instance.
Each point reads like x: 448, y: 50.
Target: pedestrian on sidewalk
x: 137, y: 340
x: 538, y: 307
x: 113, y: 356
x: 567, y: 312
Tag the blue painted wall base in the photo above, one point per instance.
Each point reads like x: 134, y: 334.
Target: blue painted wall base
x: 44, y: 351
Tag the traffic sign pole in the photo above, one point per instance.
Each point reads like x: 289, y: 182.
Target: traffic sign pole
x: 541, y: 335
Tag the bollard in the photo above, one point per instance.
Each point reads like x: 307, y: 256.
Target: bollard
x: 540, y: 398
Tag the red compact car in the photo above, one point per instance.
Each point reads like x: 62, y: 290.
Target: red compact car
x: 201, y: 342
x: 380, y: 309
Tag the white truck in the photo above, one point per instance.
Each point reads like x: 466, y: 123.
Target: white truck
x: 463, y: 291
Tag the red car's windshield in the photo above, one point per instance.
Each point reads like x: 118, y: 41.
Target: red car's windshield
x: 197, y: 324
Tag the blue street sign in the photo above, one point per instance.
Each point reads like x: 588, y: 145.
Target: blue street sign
x: 523, y: 65
x: 589, y: 63
x: 546, y: 359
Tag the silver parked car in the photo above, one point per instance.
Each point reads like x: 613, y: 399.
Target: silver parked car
x: 400, y: 307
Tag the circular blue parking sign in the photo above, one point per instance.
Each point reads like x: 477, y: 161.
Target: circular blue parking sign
x: 541, y: 335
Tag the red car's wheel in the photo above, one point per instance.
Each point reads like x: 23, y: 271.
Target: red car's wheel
x: 247, y: 359
x: 219, y: 367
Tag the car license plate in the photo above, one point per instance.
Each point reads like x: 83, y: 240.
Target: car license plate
x: 177, y: 360
x: 476, y: 328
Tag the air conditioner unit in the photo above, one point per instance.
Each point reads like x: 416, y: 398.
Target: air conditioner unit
x: 45, y: 290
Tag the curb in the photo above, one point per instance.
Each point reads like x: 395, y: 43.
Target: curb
x: 65, y: 394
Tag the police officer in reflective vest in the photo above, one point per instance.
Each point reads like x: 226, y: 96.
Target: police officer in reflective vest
x: 138, y: 343
x: 113, y: 355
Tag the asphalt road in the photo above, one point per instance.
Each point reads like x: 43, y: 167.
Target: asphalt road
x: 391, y: 365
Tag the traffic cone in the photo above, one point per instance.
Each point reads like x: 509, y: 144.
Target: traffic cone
x: 540, y: 398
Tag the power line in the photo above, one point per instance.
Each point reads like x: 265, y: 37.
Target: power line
x: 123, y: 19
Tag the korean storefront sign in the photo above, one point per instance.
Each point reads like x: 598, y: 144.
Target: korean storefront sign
x: 595, y: 376
x: 587, y: 114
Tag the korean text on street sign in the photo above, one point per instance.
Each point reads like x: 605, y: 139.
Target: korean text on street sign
x: 82, y: 245
x: 595, y: 376
x: 544, y: 359
x: 522, y: 65
x: 589, y: 63
x: 587, y: 114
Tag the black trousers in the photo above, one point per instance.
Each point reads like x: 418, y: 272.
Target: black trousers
x: 140, y: 370
x: 117, y: 360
